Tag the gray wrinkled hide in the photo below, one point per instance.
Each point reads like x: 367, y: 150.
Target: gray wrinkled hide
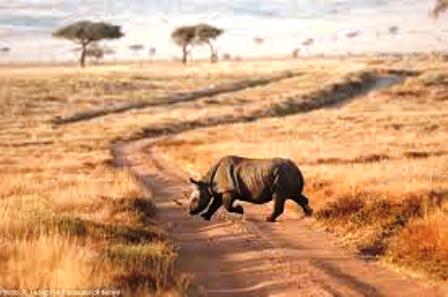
x: 255, y: 181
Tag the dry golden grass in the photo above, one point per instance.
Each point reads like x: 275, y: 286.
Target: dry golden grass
x: 55, y: 239
x: 89, y: 224
x: 423, y: 242
x: 68, y: 219
x: 375, y: 167
x: 47, y: 261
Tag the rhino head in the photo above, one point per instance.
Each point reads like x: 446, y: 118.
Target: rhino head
x: 200, y: 197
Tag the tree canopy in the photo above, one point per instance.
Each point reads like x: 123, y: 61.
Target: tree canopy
x: 136, y: 47
x: 204, y: 33
x: 86, y: 32
x: 186, y: 36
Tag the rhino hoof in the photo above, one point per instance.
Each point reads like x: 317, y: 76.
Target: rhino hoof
x: 270, y: 219
x: 239, y: 209
x: 308, y: 212
x: 206, y: 217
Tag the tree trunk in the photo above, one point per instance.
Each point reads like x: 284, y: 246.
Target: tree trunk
x: 82, y: 60
x: 213, y: 53
x: 184, y: 54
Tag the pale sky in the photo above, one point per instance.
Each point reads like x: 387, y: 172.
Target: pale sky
x: 336, y: 26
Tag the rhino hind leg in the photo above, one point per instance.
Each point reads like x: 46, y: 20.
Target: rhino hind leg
x: 214, y: 206
x: 279, y: 206
x: 304, y: 203
x: 228, y: 200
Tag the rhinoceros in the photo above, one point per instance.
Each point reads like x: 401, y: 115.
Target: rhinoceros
x: 255, y: 181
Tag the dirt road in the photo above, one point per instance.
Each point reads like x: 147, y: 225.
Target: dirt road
x: 232, y: 256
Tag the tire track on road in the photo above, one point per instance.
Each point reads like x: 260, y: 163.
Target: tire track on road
x: 172, y: 99
x: 249, y: 257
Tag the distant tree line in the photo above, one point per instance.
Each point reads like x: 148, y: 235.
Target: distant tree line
x: 87, y: 33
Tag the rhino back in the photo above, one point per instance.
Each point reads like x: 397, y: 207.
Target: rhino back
x: 255, y: 180
x: 241, y: 175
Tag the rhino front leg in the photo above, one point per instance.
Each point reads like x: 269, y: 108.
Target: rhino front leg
x: 228, y: 200
x: 216, y: 204
x: 279, y: 205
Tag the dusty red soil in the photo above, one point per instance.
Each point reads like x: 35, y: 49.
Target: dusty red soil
x: 234, y: 256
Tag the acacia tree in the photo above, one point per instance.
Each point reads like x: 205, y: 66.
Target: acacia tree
x: 86, y: 32
x: 204, y: 35
x: 136, y: 48
x: 187, y: 36
x: 152, y: 53
x: 183, y: 37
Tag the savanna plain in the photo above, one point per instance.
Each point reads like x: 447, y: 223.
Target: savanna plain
x: 370, y: 135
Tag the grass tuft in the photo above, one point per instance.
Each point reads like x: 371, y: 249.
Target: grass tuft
x: 150, y: 265
x: 423, y: 245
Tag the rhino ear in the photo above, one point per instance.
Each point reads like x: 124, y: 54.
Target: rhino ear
x: 193, y: 181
